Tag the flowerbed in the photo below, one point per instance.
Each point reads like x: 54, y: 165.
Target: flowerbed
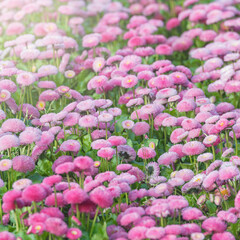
x: 119, y: 119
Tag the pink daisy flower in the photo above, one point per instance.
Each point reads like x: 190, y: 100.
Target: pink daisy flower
x: 193, y: 148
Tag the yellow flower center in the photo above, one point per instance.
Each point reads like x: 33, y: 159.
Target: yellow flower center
x: 3, y: 95
x: 70, y: 74
x: 152, y: 145
x: 198, y: 180
x: 38, y: 228
x: 224, y: 192
x: 96, y: 164
x: 74, y: 232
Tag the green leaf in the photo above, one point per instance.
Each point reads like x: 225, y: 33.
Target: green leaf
x: 44, y: 167
x: 211, y: 207
x: 130, y: 143
x: 3, y: 228
x: 118, y: 125
x: 166, y: 172
x: 3, y: 189
x: 100, y: 232
x: 36, y: 178
x: 72, y: 137
x: 26, y: 236
x: 86, y: 140
x: 150, y: 140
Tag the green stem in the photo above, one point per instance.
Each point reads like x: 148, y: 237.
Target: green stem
x: 94, y: 221
x: 213, y: 151
x: 68, y: 179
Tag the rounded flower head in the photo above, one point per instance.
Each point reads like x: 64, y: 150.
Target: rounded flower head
x: 51, y: 180
x: 30, y: 135
x: 205, y: 157
x: 91, y: 40
x: 117, y: 140
x: 129, y: 62
x: 102, y: 197
x: 140, y: 128
x: 75, y: 196
x: 152, y: 170
x: 167, y: 158
x: 23, y: 164
x: 190, y: 213
x: 40, y: 105
x: 70, y: 145
x: 106, y: 153
x: 127, y: 124
x: 164, y: 49
x: 126, y: 153
x: 5, y: 165
x: 56, y: 226
x: 4, y: 235
x: 25, y: 79
x: 4, y: 95
x: 137, y: 232
x: 65, y: 168
x: 224, y: 235
x: 13, y: 125
x: 146, y: 153
x: 88, y: 121
x: 186, y: 105
x: 8, y: 141
x: 21, y: 184
x: 34, y: 193
x: 86, y: 105
x: 209, y: 140
x: 73, y: 233
x: 228, y: 172
x: 214, y: 224
x: 69, y: 74
x: 105, y: 117
x: 100, y: 143
x: 193, y: 148
x: 98, y: 64
x: 129, y: 81
x: 83, y: 163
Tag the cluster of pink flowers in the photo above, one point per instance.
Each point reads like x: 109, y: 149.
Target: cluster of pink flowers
x: 119, y: 119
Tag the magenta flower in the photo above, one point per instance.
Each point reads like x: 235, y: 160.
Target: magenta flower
x: 214, y: 224
x: 193, y: 148
x: 167, y: 158
x: 140, y: 128
x: 23, y: 164
x: 56, y: 226
x: 8, y: 141
x: 146, y: 153
x: 34, y: 193
x: 5, y: 165
x: 70, y: 145
x: 102, y: 197
x: 83, y: 163
x: 13, y: 125
x: 106, y: 153
x: 73, y: 233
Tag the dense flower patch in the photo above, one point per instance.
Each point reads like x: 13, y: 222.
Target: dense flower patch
x: 119, y: 119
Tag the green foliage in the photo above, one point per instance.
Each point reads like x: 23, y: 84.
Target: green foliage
x: 86, y: 141
x: 100, y: 232
x: 44, y: 167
